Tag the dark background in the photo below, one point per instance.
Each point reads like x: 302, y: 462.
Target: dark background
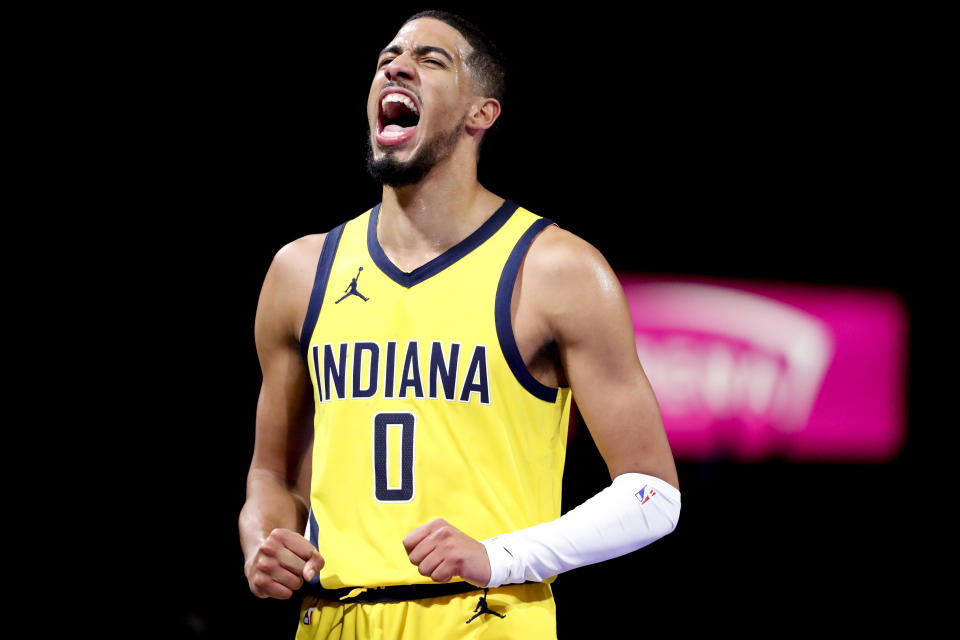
x: 768, y: 145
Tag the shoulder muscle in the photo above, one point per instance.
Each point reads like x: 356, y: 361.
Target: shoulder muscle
x: 286, y: 292
x: 573, y: 285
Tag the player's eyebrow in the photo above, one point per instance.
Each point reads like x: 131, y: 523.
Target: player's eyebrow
x: 420, y: 50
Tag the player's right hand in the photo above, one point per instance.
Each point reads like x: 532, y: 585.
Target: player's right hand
x: 282, y: 562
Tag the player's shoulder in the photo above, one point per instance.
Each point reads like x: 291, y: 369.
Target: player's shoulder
x: 570, y: 285
x: 294, y: 264
x: 566, y: 278
x: 556, y: 253
x: 286, y: 289
x: 304, y: 248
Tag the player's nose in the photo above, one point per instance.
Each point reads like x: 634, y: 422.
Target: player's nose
x: 400, y: 68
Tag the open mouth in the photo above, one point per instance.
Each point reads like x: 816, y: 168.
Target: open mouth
x: 398, y: 118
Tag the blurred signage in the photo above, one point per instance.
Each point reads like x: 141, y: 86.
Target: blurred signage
x: 752, y: 371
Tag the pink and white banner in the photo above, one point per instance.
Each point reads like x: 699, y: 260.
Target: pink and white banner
x: 756, y: 370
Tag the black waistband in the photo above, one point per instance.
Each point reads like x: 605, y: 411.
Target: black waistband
x: 396, y: 593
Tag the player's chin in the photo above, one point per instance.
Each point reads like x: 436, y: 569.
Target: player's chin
x: 393, y: 153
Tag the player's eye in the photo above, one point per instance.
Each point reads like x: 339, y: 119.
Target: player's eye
x: 383, y: 62
x: 433, y: 62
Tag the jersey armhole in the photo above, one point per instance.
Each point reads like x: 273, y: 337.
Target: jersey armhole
x: 508, y: 341
x: 330, y: 244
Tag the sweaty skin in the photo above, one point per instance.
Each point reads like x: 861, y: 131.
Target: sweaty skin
x: 570, y: 320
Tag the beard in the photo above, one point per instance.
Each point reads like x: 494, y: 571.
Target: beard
x: 394, y: 173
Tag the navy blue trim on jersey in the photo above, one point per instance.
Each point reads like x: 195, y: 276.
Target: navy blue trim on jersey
x: 330, y: 244
x: 314, y: 530
x: 508, y: 342
x: 313, y: 533
x: 445, y: 259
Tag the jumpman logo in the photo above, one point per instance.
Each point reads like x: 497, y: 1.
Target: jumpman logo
x: 352, y: 290
x: 482, y: 608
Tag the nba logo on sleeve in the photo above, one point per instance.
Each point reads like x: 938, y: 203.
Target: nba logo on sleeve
x: 645, y: 493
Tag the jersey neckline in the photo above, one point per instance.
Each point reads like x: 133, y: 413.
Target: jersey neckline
x: 445, y: 259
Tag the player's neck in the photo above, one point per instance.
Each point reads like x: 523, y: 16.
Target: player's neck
x: 420, y: 221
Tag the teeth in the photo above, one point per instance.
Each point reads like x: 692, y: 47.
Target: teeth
x: 399, y: 97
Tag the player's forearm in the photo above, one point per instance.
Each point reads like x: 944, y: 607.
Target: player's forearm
x: 635, y: 510
x: 270, y: 504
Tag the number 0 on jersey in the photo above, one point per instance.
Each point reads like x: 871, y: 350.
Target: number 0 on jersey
x: 383, y: 454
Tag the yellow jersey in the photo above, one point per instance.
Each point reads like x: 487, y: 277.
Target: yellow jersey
x: 424, y: 406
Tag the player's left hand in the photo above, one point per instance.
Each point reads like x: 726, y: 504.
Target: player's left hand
x: 441, y: 551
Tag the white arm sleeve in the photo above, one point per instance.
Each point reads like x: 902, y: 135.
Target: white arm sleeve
x: 632, y: 512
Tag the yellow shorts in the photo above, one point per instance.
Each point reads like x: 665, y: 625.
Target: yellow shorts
x: 528, y: 612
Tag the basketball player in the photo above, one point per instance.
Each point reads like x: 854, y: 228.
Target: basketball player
x: 435, y: 343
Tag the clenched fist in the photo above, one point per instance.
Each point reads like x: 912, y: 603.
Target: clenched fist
x: 441, y: 551
x: 282, y: 562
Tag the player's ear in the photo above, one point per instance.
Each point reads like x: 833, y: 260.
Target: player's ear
x: 483, y: 113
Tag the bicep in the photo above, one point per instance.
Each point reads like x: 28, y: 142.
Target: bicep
x: 594, y: 333
x: 284, y: 413
x: 285, y: 403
